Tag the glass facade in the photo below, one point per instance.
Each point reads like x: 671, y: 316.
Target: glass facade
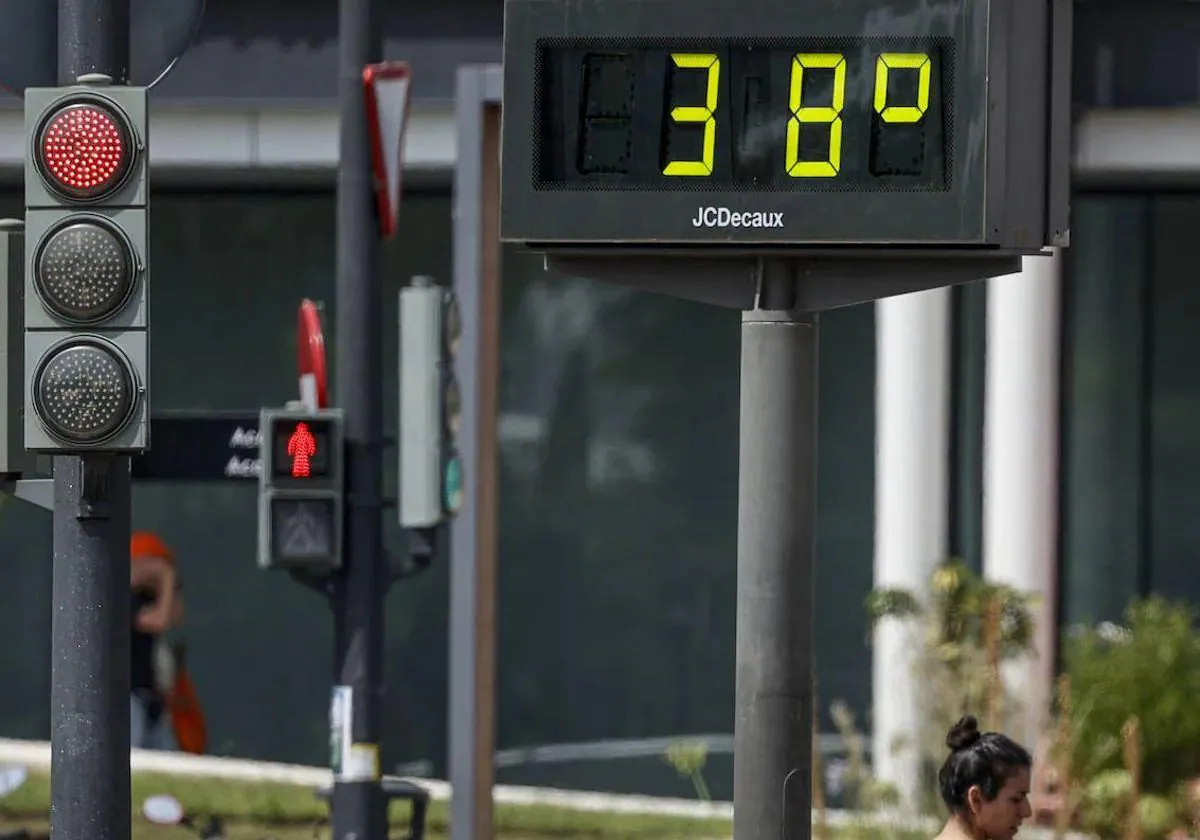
x: 1131, y: 404
x: 968, y: 363
x: 618, y: 434
x: 618, y: 439
x: 229, y: 271
x: 618, y: 444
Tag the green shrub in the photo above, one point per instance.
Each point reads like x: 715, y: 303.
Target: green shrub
x: 1104, y: 809
x: 1149, y: 668
x: 964, y: 628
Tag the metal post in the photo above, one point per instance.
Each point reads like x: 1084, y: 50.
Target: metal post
x: 471, y: 715
x: 359, y: 811
x: 772, y: 785
x: 89, y: 681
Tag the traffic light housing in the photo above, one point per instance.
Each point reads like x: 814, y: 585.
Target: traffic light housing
x: 300, y: 489
x: 14, y: 460
x: 431, y: 474
x: 87, y: 268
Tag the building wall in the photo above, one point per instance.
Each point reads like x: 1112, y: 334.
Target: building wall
x: 287, y: 49
x: 618, y: 434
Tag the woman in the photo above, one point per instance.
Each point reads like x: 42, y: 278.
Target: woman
x: 984, y: 783
x: 157, y: 608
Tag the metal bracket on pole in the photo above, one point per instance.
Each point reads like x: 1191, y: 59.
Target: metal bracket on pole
x: 36, y: 491
x: 95, y: 488
x: 321, y: 584
x: 417, y: 556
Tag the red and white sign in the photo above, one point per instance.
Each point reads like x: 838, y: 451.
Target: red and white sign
x: 387, y: 87
x: 310, y: 357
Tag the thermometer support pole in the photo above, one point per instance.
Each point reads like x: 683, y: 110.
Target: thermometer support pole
x: 772, y: 786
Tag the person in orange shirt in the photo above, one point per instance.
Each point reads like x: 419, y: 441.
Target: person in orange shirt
x: 157, y: 608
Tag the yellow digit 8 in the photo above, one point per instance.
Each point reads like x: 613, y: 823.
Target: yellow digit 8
x: 901, y: 61
x: 830, y: 115
x: 698, y: 114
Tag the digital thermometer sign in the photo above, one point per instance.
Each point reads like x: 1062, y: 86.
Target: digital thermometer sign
x: 754, y: 123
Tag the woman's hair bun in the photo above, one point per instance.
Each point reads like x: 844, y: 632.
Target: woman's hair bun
x: 963, y: 734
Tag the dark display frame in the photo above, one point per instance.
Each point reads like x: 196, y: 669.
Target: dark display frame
x: 998, y: 184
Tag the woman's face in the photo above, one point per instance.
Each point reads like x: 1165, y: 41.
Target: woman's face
x: 1001, y: 818
x: 146, y: 571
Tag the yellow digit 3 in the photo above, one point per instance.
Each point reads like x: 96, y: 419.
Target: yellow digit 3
x: 698, y: 114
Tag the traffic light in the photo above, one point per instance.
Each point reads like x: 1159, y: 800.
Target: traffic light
x: 87, y: 268
x: 300, y: 489
x: 431, y: 474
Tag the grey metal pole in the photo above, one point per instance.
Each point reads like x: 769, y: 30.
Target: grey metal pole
x: 89, y: 681
x: 772, y: 765
x: 359, y: 811
x: 89, y: 674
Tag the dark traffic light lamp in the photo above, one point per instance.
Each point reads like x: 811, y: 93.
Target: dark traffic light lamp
x: 85, y: 269
x: 85, y: 390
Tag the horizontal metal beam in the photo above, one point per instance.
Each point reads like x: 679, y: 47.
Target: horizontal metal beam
x: 36, y: 491
x: 296, y: 140
x: 294, y: 143
x: 1151, y: 147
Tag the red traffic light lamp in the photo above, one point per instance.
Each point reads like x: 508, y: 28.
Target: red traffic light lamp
x: 85, y: 148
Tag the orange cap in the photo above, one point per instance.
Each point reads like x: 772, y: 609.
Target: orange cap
x: 147, y: 544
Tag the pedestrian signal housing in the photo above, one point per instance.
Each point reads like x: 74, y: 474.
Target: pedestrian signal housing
x: 300, y: 489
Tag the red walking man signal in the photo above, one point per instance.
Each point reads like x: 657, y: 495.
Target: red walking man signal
x: 302, y: 446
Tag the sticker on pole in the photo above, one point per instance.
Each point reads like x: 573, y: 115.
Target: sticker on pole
x: 341, y: 725
x: 387, y: 86
x: 361, y: 763
x: 310, y: 357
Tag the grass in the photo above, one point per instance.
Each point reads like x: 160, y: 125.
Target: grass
x: 262, y: 810
x: 145, y: 831
x: 289, y: 812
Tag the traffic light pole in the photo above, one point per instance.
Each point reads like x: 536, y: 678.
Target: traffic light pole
x: 89, y: 683
x: 772, y: 735
x: 359, y: 810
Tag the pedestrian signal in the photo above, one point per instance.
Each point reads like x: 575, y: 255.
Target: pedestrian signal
x: 300, y: 490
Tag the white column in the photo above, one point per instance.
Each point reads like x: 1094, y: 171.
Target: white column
x: 1020, y: 490
x: 911, y: 476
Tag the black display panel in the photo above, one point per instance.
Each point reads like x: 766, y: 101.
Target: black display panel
x: 860, y: 114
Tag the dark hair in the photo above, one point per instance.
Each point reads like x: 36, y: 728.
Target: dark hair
x: 986, y: 759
